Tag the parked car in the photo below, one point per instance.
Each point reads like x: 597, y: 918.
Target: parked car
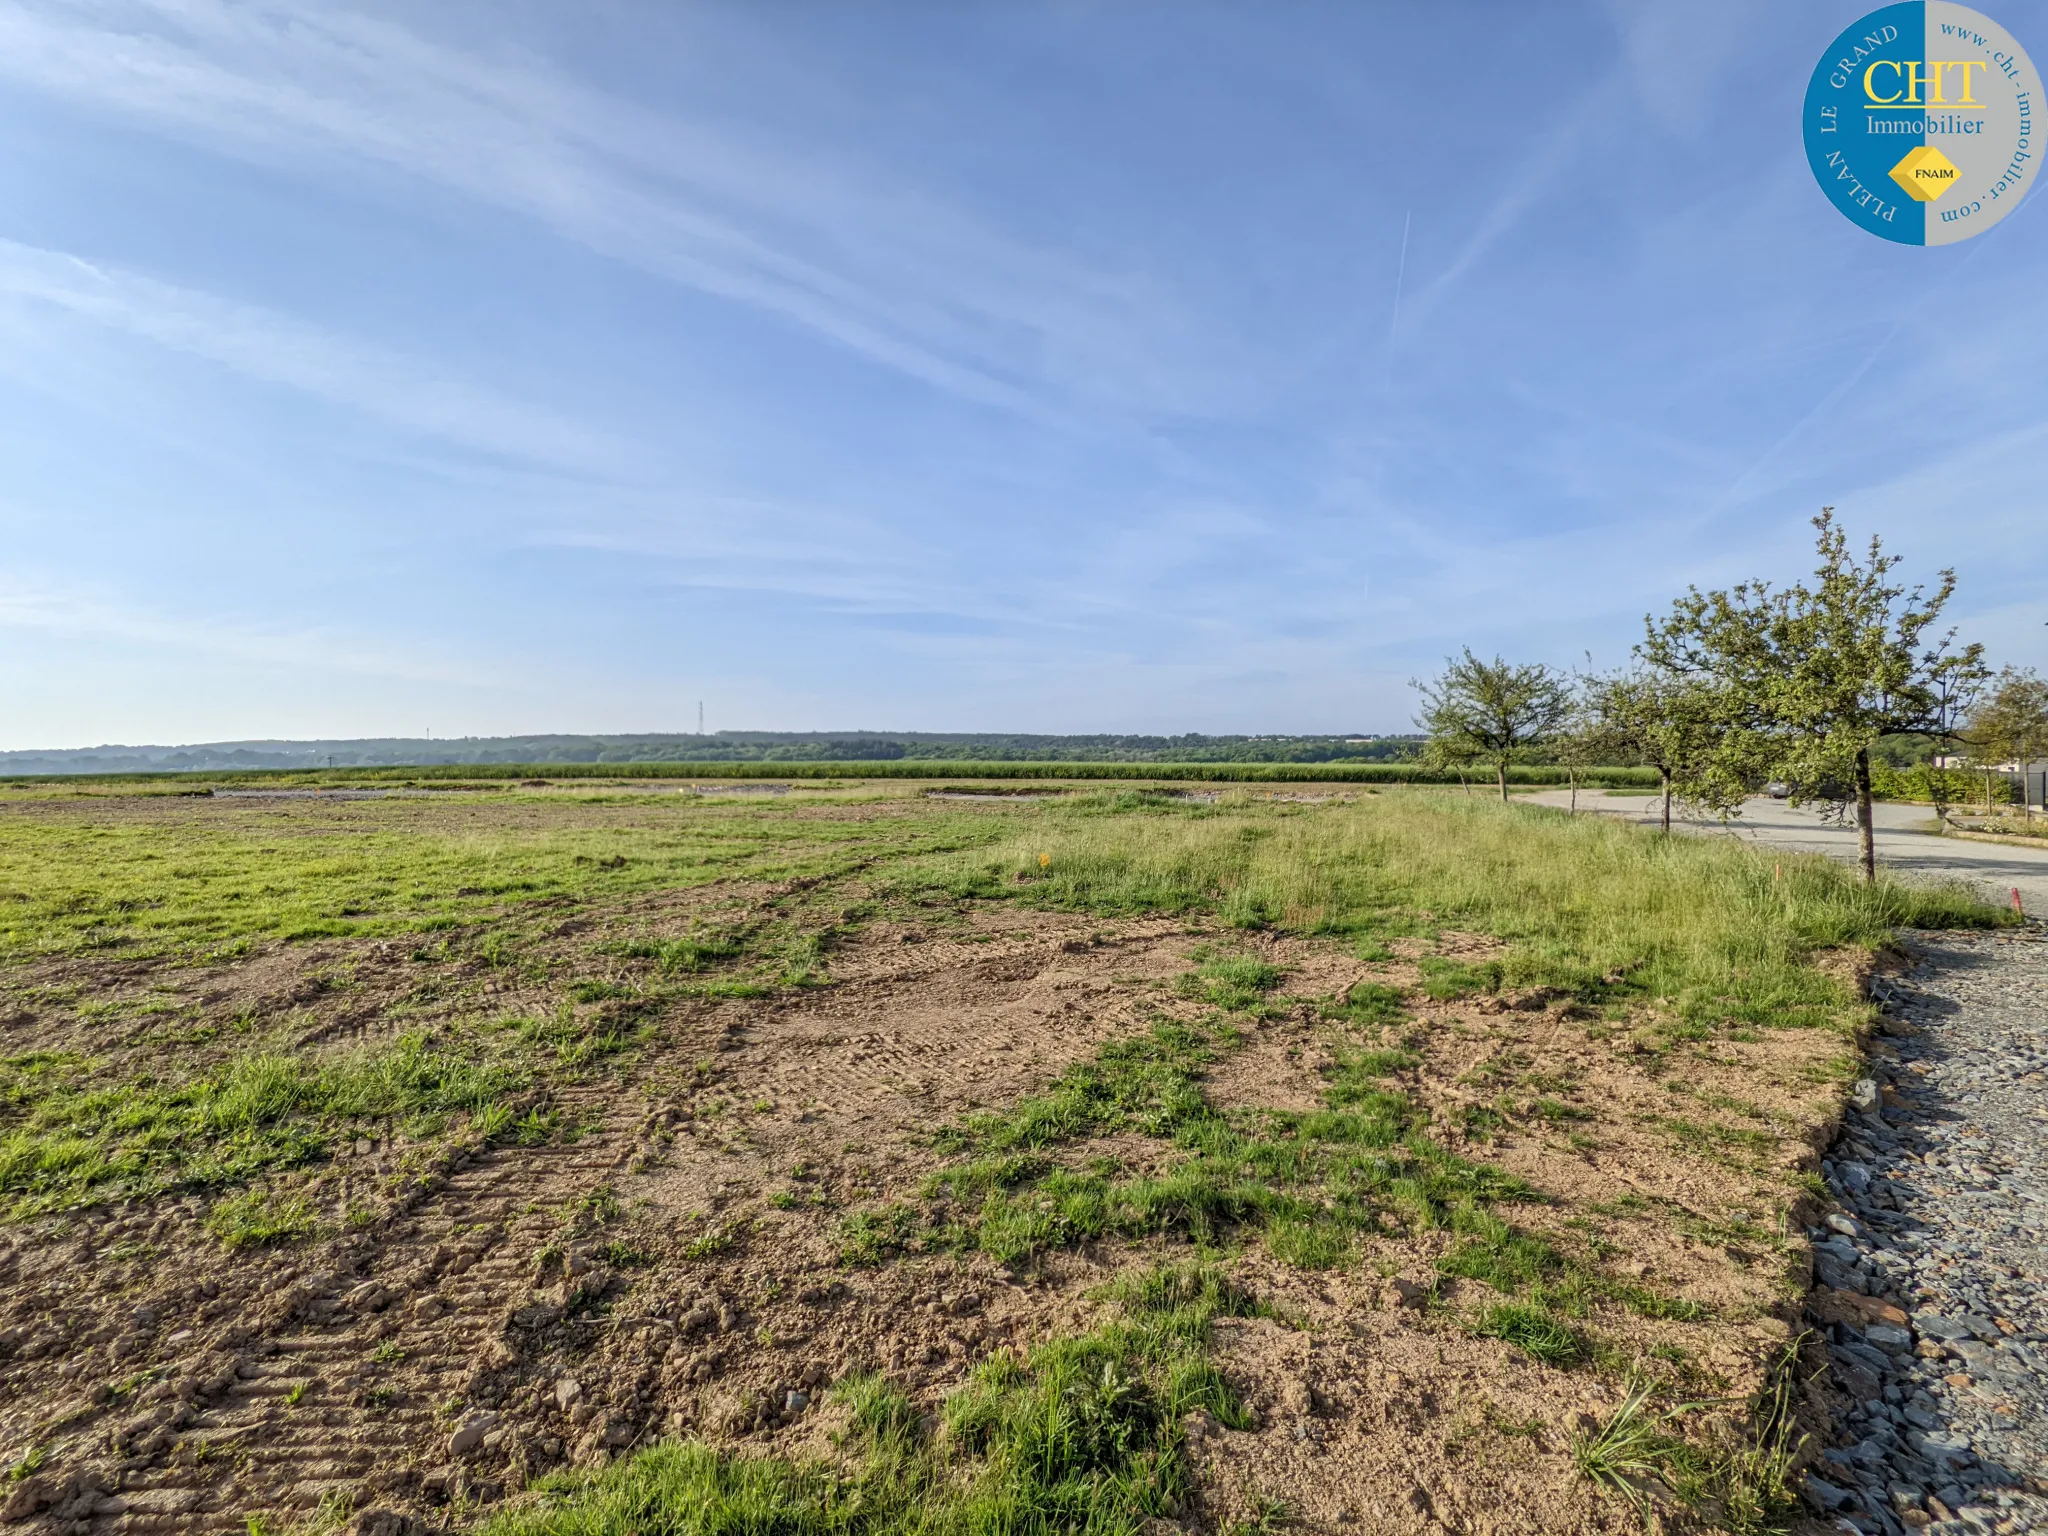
x: 1778, y: 789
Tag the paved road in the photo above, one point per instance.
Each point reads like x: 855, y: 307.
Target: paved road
x: 1903, y: 844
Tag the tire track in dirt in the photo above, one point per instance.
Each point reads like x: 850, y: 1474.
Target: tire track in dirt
x: 267, y: 1386
x: 304, y: 1409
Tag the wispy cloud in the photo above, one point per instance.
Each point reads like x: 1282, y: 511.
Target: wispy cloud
x: 60, y: 609
x: 899, y: 276
x: 276, y: 349
x: 1527, y: 186
x: 821, y: 553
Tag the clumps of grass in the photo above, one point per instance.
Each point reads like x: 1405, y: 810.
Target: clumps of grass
x: 689, y: 955
x: 1146, y: 1084
x: 1631, y: 1445
x: 78, y: 1138
x: 1651, y: 1304
x: 1127, y: 802
x: 1446, y: 981
x: 714, y: 1241
x: 1742, y: 1473
x: 985, y: 1175
x: 1739, y: 1146
x: 1752, y: 1477
x: 1495, y: 1254
x: 1544, y: 1284
x: 259, y: 1218
x: 803, y: 960
x: 572, y: 1044
x: 1480, y: 1122
x: 596, y: 1208
x: 1264, y: 1516
x: 491, y: 1122
x: 1533, y: 1329
x: 1357, y: 1077
x: 1183, y: 1298
x: 1310, y: 1182
x: 1083, y: 1435
x: 1310, y: 1242
x: 620, y: 1254
x: 1234, y: 983
x: 1368, y: 1005
x: 867, y: 1238
x: 537, y: 1127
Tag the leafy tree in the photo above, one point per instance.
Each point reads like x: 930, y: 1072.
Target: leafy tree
x: 1672, y: 723
x: 1584, y: 740
x: 1809, y: 677
x: 2012, y: 722
x: 1492, y: 712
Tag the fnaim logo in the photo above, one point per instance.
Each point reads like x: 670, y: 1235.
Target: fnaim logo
x: 1921, y: 122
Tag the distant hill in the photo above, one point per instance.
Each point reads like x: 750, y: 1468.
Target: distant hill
x: 720, y: 747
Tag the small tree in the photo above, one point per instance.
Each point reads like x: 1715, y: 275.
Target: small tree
x: 2012, y: 719
x: 1674, y: 724
x: 1585, y: 740
x: 1448, y: 754
x: 1480, y: 711
x: 1810, y: 676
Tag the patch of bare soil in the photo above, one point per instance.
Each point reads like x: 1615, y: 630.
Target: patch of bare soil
x: 676, y: 1269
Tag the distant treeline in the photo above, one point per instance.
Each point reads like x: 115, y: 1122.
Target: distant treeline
x: 722, y: 747
x: 924, y: 768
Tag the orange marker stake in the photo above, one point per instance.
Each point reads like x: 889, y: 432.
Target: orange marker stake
x: 2016, y: 902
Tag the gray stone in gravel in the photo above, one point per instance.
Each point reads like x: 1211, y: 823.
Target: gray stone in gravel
x: 1868, y: 1358
x: 1934, y: 1326
x: 1822, y: 1494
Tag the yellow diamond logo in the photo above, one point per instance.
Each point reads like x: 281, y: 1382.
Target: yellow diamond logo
x: 1925, y: 173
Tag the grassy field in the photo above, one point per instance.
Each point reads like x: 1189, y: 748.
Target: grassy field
x: 136, y: 876
x: 200, y: 882
x: 134, y: 1090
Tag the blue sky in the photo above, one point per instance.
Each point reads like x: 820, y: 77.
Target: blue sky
x: 533, y: 367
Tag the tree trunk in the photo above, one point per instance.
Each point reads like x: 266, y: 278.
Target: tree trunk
x: 1575, y: 791
x: 1865, y: 831
x: 1501, y: 768
x: 1666, y: 773
x: 1987, y: 791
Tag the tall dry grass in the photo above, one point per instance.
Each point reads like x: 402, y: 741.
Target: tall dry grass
x: 1724, y: 931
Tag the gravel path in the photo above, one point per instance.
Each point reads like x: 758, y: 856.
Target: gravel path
x: 1938, y: 1319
